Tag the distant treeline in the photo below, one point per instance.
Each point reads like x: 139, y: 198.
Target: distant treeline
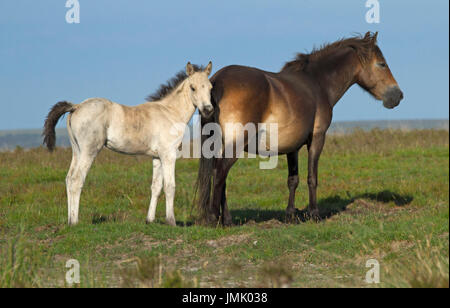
x: 32, y: 138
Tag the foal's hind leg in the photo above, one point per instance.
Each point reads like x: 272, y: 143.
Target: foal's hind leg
x: 157, y: 184
x: 73, y: 164
x: 75, y: 181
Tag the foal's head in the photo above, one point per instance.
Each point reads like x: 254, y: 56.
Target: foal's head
x: 376, y: 77
x: 199, y: 89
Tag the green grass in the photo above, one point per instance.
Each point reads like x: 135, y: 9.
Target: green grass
x: 386, y: 195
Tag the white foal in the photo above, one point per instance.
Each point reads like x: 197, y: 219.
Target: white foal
x: 144, y: 129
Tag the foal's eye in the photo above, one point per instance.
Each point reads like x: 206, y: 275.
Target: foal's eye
x: 192, y: 88
x: 382, y: 64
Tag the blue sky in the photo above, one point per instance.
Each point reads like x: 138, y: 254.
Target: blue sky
x: 123, y: 50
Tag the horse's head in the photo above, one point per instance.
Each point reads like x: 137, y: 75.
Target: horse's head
x: 376, y: 77
x: 199, y: 89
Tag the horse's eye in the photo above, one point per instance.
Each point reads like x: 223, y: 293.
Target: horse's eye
x: 192, y: 88
x: 382, y: 64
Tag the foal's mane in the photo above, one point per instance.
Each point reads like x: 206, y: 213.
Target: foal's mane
x: 363, y: 45
x: 167, y: 88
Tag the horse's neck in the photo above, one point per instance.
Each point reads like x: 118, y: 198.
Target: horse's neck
x: 337, y: 74
x: 179, y: 105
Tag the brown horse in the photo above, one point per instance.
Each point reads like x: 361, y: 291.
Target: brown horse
x: 300, y: 99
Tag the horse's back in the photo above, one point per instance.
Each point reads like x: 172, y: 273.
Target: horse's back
x: 241, y: 93
x: 249, y: 95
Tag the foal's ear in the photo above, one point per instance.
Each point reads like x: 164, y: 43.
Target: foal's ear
x: 208, y: 69
x: 189, y: 69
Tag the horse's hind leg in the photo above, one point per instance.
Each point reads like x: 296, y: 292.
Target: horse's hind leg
x: 227, y: 220
x: 157, y: 184
x: 219, y: 199
x: 315, y: 147
x: 292, y: 182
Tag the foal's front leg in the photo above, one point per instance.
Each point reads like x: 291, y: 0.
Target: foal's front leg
x: 157, y: 184
x: 168, y: 168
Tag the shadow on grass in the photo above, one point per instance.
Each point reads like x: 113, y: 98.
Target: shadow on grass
x: 328, y: 207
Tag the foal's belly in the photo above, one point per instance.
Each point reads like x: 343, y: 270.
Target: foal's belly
x: 132, y: 144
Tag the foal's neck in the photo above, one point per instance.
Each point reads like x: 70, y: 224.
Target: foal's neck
x: 336, y: 73
x: 179, y: 104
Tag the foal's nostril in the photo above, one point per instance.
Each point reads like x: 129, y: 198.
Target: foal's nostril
x: 401, y: 95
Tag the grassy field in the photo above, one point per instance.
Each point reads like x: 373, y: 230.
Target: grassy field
x: 385, y: 195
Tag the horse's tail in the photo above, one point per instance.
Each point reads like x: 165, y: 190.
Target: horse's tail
x: 205, y: 177
x: 53, y: 116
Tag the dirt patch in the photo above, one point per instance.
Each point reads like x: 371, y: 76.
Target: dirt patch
x: 229, y: 240
x: 136, y: 242
x: 52, y: 229
x: 361, y: 206
x: 401, y: 245
x: 48, y: 228
x: 273, y: 223
x: 444, y: 235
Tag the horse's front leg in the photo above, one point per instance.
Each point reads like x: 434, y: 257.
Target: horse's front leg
x: 315, y: 147
x: 157, y: 184
x: 168, y: 168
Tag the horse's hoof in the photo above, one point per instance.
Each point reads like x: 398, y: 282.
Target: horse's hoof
x: 211, y: 220
x: 292, y: 211
x: 148, y: 221
x: 314, y: 215
x: 227, y: 223
x: 292, y: 215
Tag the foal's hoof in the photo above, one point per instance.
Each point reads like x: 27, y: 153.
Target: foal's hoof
x: 171, y: 222
x: 72, y: 223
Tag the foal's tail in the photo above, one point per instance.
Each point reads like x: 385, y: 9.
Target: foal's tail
x: 53, y: 116
x: 205, y: 176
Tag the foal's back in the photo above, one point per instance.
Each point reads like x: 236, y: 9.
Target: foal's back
x: 120, y: 128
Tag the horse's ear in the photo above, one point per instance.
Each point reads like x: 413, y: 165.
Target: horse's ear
x: 367, y: 35
x: 208, y: 68
x: 375, y: 37
x: 189, y: 69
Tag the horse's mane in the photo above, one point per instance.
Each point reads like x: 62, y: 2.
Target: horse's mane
x: 167, y: 88
x: 363, y: 45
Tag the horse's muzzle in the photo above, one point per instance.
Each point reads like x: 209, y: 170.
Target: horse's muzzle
x: 392, y: 97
